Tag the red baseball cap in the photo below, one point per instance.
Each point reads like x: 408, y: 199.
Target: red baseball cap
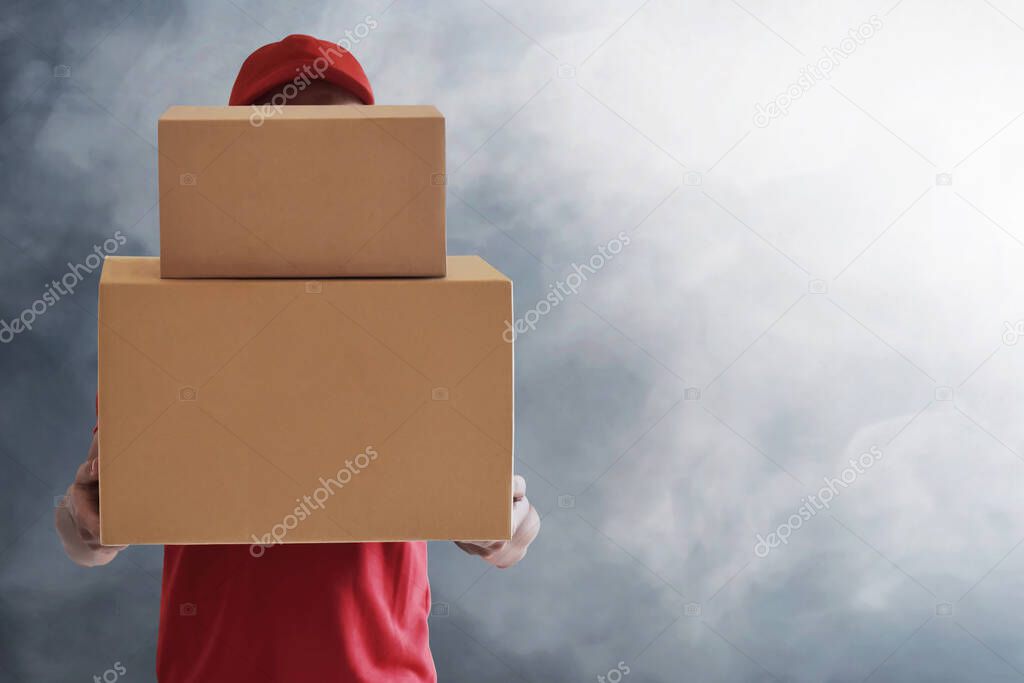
x: 283, y: 62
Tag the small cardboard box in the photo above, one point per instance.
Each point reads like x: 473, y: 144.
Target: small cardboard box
x: 245, y: 411
x: 302, y: 191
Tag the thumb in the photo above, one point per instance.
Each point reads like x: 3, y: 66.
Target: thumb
x: 520, y: 511
x: 88, y: 472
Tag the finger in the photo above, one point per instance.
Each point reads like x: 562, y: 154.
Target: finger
x: 484, y: 546
x: 69, y: 529
x: 86, y: 474
x: 486, y: 551
x: 108, y: 552
x: 518, y: 487
x: 88, y: 471
x: 520, y: 510
x: 65, y: 522
x: 509, y: 555
x: 103, y: 551
x: 516, y: 549
x: 94, y: 458
x: 473, y: 548
x: 528, y: 530
x: 94, y: 449
x: 84, y: 507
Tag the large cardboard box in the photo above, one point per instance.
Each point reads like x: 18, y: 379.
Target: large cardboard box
x: 302, y: 191
x: 237, y: 411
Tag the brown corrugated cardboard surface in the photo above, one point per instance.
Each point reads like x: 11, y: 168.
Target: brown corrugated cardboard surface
x: 313, y: 191
x: 222, y: 403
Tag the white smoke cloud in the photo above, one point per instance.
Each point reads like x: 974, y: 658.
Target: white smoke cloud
x: 811, y: 279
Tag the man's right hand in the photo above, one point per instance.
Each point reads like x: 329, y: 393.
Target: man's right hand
x: 78, y: 518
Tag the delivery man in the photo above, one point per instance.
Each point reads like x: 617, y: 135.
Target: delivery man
x: 299, y: 613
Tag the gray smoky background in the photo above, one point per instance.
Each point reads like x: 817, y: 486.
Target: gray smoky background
x: 816, y: 209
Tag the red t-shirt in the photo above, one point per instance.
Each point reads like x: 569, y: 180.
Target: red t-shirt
x: 300, y: 613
